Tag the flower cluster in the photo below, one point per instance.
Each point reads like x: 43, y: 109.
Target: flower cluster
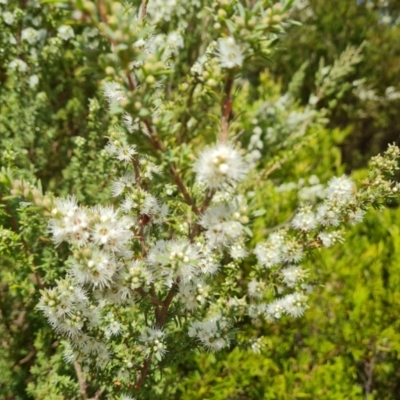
x: 213, y: 333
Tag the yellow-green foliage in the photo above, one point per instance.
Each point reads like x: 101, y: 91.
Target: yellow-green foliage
x: 346, y: 345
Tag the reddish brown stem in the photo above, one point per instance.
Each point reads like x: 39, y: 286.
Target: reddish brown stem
x: 144, y: 9
x: 130, y: 81
x: 182, y: 188
x: 226, y: 110
x: 161, y: 317
x: 144, y: 373
x: 153, y: 299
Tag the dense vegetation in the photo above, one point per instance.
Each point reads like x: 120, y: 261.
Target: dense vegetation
x: 328, y: 94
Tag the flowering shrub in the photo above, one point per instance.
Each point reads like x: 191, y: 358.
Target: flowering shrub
x: 164, y: 261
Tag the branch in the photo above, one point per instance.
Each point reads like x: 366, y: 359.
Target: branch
x: 143, y: 9
x: 226, y: 109
x: 97, y: 395
x: 183, y: 189
x: 153, y: 299
x: 144, y: 373
x: 181, y: 186
x: 81, y: 380
x: 207, y: 200
x: 27, y: 358
x: 369, y: 372
x: 161, y: 317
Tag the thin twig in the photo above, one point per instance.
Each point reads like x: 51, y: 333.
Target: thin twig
x: 27, y: 358
x: 97, y: 395
x: 81, y: 380
x: 130, y: 81
x: 226, y: 109
x: 153, y: 299
x: 166, y: 303
x: 369, y: 371
x: 143, y: 374
x: 161, y: 317
x: 143, y: 9
x: 178, y: 180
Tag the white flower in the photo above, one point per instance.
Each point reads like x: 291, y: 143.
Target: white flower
x: 8, y: 17
x: 173, y: 259
x: 356, y: 216
x: 113, y: 91
x: 63, y: 304
x: 340, y: 190
x: 30, y: 35
x: 295, y: 304
x: 18, y: 65
x: 275, y: 310
x: 327, y: 239
x: 97, y: 269
x: 229, y: 53
x: 154, y: 339
x: 126, y: 181
x: 221, y: 228
x: 174, y: 42
x: 330, y: 238
x: 192, y: 294
x: 65, y: 32
x: 256, y: 289
x: 158, y: 10
x: 256, y: 310
x: 209, y: 262
x: 68, y: 353
x: 293, y: 275
x: 125, y: 153
x: 113, y: 329
x: 218, y: 165
x: 33, y: 81
x: 311, y: 193
x: 270, y: 252
x: 327, y: 216
x: 237, y: 251
x: 304, y: 220
x: 211, y: 332
x: 126, y: 397
x: 70, y: 223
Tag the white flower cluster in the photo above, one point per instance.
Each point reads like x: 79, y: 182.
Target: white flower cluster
x: 277, y: 249
x: 68, y: 308
x: 122, y: 152
x: 193, y: 293
x: 101, y: 227
x: 224, y: 226
x: 65, y: 32
x: 212, y: 332
x: 174, y: 260
x: 339, y: 204
x: 143, y: 204
x: 293, y: 304
x: 154, y: 339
